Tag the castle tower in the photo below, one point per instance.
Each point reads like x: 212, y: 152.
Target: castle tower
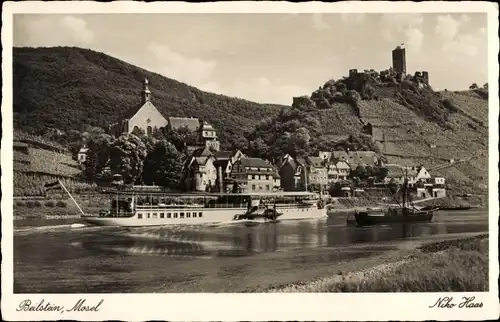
x: 399, y: 60
x: 146, y: 93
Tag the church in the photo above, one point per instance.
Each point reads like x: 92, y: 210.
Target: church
x: 147, y: 117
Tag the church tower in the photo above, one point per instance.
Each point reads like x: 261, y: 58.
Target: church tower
x: 146, y: 93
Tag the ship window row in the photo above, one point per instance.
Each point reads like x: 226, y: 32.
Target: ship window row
x: 162, y: 215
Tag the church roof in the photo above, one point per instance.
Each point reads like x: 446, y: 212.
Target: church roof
x: 190, y: 122
x: 131, y: 112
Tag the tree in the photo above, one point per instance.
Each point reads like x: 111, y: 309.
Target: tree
x: 381, y: 173
x: 259, y: 148
x: 360, y: 172
x: 98, y: 154
x: 370, y: 171
x: 393, y: 186
x: 163, y: 165
x: 473, y: 86
x: 137, y: 131
x: 300, y: 141
x: 127, y: 156
x: 181, y: 137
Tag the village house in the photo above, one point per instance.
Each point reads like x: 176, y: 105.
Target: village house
x: 316, y: 172
x: 224, y: 161
x: 200, y: 173
x: 338, y: 171
x: 290, y: 174
x: 419, y: 179
x: 254, y: 175
x: 303, y: 173
x: 352, y: 158
x: 82, y: 154
x: 362, y: 158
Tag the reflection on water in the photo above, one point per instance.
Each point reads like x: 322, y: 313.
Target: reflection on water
x: 103, y: 253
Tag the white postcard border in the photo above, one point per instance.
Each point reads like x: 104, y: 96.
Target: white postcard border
x: 251, y: 306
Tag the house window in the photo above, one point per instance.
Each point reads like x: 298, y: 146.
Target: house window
x: 267, y: 187
x: 253, y: 176
x: 175, y: 215
x: 155, y: 215
x: 200, y: 214
x: 162, y: 215
x: 182, y: 215
x: 253, y: 187
x: 188, y: 215
x: 169, y: 215
x: 149, y: 215
x: 194, y: 214
x: 149, y: 131
x: 139, y: 216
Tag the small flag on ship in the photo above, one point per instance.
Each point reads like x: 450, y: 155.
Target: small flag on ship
x: 52, y: 186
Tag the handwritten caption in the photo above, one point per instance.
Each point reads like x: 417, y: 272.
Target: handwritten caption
x: 80, y: 306
x: 467, y: 302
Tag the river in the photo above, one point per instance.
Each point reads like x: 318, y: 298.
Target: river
x: 55, y: 257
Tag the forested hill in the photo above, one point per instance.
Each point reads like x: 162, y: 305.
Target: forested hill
x: 66, y: 88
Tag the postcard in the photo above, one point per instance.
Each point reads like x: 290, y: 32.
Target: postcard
x: 249, y: 161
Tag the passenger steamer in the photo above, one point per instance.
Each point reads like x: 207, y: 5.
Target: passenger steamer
x: 138, y: 208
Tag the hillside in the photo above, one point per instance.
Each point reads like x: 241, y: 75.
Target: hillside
x: 37, y: 161
x: 409, y: 123
x: 66, y: 88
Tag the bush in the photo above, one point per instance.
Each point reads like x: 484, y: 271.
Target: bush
x: 20, y: 204
x: 33, y: 204
x: 30, y: 204
x: 61, y: 204
x: 50, y: 204
x: 450, y: 106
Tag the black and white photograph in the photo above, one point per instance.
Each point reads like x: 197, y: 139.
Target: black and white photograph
x: 230, y: 151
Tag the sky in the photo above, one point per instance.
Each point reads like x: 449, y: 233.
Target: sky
x: 270, y: 58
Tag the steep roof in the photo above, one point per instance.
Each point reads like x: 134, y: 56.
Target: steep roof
x: 410, y: 171
x: 300, y: 161
x: 340, y: 165
x: 202, y: 152
x: 394, y: 171
x: 220, y: 155
x: 362, y: 158
x: 190, y: 122
x: 255, y: 163
x: 221, y: 163
x: 316, y: 161
x: 340, y: 154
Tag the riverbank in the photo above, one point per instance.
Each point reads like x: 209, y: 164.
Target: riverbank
x: 476, y: 201
x: 451, y: 265
x: 50, y: 209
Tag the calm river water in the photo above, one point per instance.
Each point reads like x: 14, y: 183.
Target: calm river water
x: 50, y: 256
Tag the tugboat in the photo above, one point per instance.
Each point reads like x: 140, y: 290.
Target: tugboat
x: 406, y: 213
